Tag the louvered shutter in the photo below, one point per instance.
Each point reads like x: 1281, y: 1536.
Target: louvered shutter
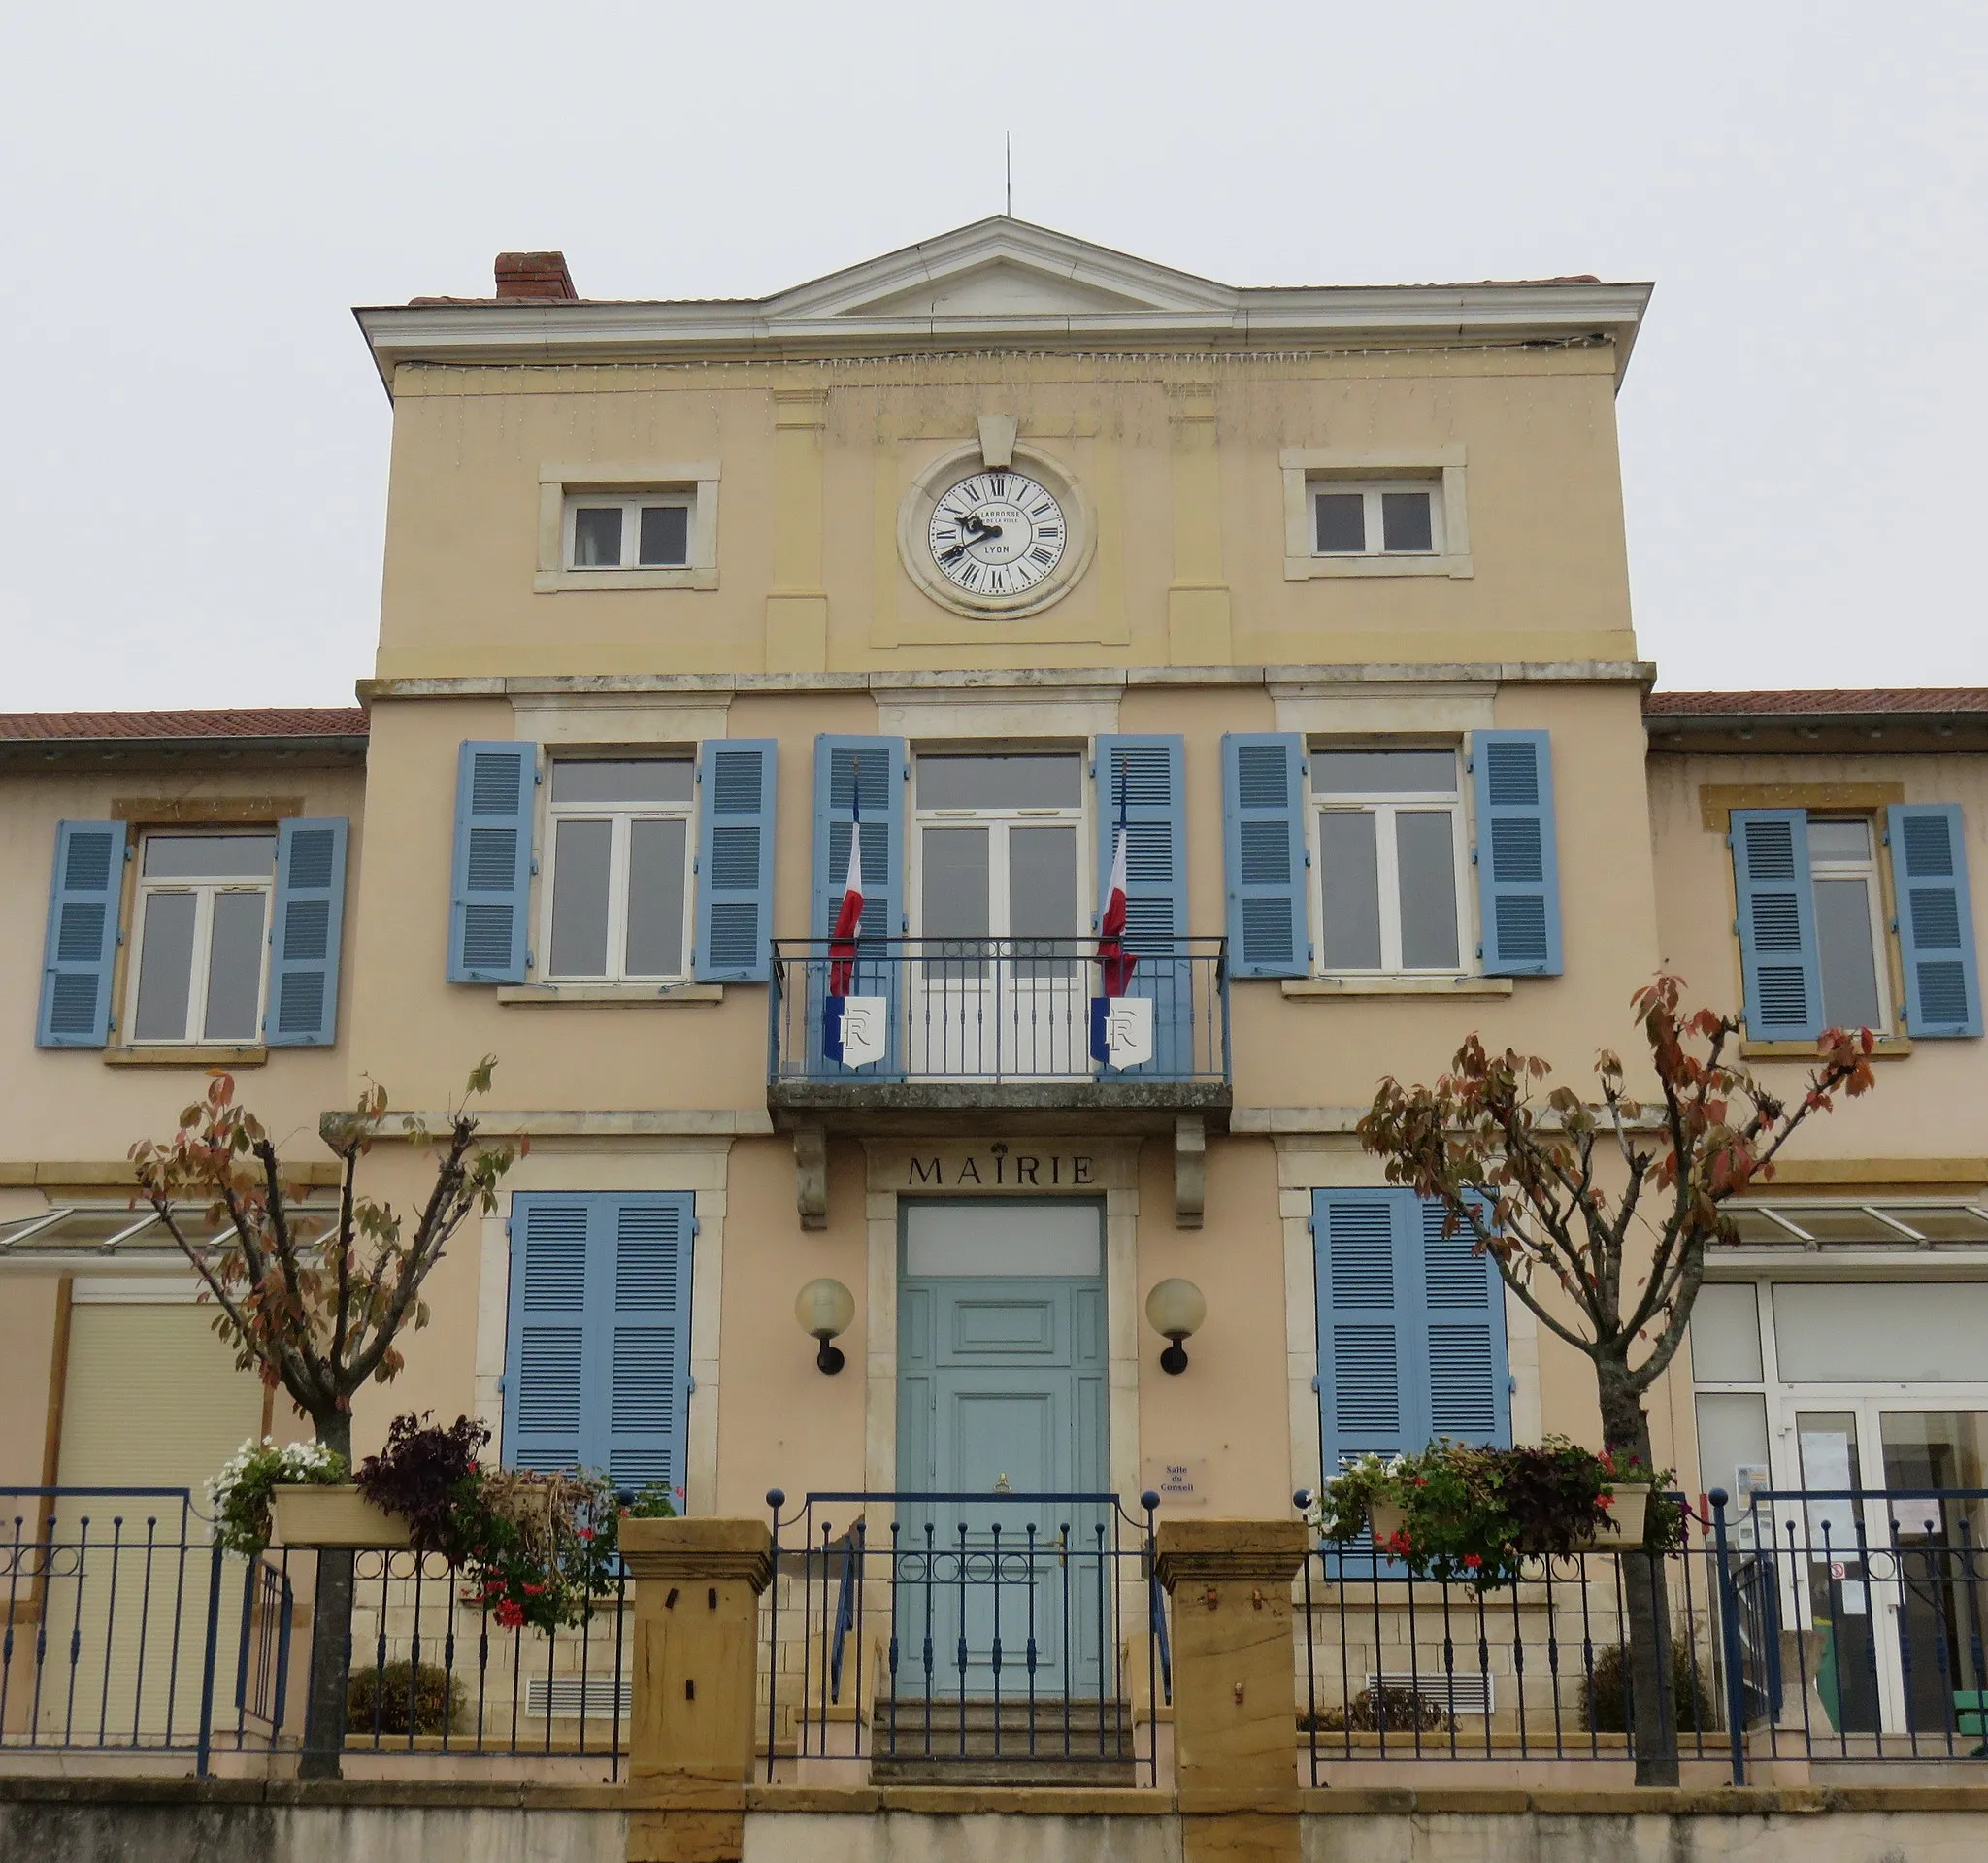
x: 734, y: 841
x: 493, y: 870
x: 882, y: 764
x: 552, y: 1286
x: 647, y: 1242
x: 306, y: 933
x: 1263, y: 853
x: 1148, y: 774
x: 1463, y: 1309
x: 1518, y: 865
x: 597, y: 1366
x: 1410, y: 1332
x: 1776, y: 910
x: 1935, y: 922
x: 81, y: 945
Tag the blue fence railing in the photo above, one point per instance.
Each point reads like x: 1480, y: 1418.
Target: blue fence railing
x: 128, y: 1630
x: 997, y: 1010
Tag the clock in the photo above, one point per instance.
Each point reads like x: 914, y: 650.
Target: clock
x: 997, y: 533
x: 995, y: 539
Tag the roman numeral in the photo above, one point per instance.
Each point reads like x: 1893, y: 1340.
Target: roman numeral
x: 1044, y: 556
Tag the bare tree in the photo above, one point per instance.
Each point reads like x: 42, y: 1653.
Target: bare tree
x: 1615, y: 1205
x: 314, y: 1307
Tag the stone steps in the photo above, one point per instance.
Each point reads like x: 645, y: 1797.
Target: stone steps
x: 961, y: 1747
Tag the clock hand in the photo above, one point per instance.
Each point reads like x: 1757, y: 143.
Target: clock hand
x: 983, y: 533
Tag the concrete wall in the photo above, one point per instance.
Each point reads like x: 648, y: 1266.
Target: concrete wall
x: 176, y: 1823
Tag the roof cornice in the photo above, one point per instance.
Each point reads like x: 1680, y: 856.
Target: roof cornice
x: 1158, y: 310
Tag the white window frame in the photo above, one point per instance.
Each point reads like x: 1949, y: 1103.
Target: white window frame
x: 1388, y: 869
x: 621, y: 818
x: 1371, y: 492
x: 999, y: 821
x: 1870, y: 871
x: 204, y: 888
x: 1373, y: 470
x: 563, y: 487
x: 631, y: 507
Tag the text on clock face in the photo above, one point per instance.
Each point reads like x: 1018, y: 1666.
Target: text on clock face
x: 997, y: 533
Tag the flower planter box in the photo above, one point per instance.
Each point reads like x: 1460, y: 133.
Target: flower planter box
x: 1625, y: 1520
x: 334, y: 1516
x: 1384, y: 1519
x: 1625, y: 1526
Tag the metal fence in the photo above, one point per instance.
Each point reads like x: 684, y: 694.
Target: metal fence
x: 128, y: 1630
x: 994, y: 1635
x: 1394, y: 1667
x: 1859, y: 1622
x: 995, y: 1010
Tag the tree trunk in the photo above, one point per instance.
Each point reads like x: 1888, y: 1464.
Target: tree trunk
x: 1652, y: 1704
x: 331, y: 1636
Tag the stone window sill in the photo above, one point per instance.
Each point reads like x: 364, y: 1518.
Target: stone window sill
x: 1303, y: 569
x: 1398, y: 985
x: 606, y: 995
x: 188, y: 1056
x: 560, y: 582
x: 1890, y: 1047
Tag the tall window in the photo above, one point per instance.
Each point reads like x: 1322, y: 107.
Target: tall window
x: 1849, y: 924
x: 998, y: 837
x: 202, y: 919
x: 1389, y: 855
x: 619, y: 889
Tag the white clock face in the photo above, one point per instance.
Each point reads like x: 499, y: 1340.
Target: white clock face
x: 998, y: 533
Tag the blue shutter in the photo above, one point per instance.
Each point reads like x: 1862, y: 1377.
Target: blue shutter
x: 84, y: 890
x: 305, y: 935
x: 734, y: 841
x: 553, y: 1285
x: 490, y: 891
x: 1463, y: 1311
x: 1150, y: 774
x: 1936, y: 921
x: 647, y: 1245
x: 1518, y: 865
x: 597, y: 1365
x: 1410, y: 1332
x: 1263, y: 853
x: 1776, y: 910
x: 883, y: 767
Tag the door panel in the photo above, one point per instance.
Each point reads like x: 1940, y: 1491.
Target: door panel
x: 1002, y: 1390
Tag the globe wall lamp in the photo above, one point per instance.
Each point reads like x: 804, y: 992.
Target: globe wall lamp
x: 1176, y: 1310
x: 826, y: 1307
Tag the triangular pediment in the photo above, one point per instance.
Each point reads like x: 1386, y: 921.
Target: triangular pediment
x: 1001, y: 268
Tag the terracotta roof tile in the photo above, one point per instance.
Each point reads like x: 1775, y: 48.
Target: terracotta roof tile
x: 1847, y: 702
x: 274, y: 721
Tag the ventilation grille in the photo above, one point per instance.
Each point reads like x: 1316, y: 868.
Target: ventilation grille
x: 1459, y: 1694
x: 563, y: 1697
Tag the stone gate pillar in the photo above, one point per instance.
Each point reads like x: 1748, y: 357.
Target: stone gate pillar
x: 697, y: 1585
x: 1235, y: 1704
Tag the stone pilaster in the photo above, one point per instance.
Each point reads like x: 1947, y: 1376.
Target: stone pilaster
x: 697, y: 1585
x: 1235, y: 1707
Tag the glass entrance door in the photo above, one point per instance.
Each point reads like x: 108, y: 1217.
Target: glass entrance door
x: 1897, y: 1584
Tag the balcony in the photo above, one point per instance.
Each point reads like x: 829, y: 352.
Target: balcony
x: 990, y: 1036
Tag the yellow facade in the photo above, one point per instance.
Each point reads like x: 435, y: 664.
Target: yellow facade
x: 1190, y: 427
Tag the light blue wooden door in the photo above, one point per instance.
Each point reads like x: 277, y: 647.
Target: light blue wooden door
x: 1002, y: 1392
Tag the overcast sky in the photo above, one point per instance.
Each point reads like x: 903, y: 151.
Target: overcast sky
x: 192, y: 197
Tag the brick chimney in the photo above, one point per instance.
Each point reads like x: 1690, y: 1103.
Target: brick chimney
x: 534, y: 274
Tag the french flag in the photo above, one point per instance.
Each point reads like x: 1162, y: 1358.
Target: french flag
x: 1113, y: 959
x: 848, y: 918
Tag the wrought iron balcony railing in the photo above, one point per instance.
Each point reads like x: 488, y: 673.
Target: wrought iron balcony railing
x: 997, y: 1010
